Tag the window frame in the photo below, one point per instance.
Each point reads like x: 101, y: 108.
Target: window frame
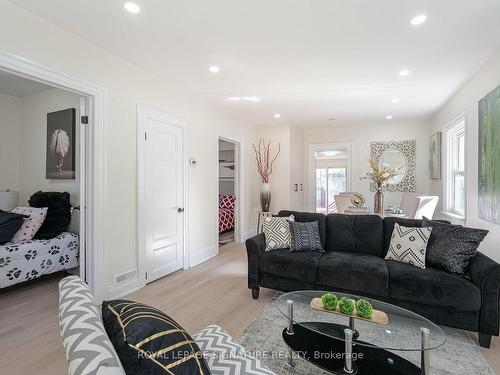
x: 453, y: 131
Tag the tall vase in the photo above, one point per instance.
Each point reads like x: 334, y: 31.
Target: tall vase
x: 265, y: 196
x: 378, y: 205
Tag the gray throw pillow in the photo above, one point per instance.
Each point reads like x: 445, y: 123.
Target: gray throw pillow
x: 305, y: 236
x: 277, y: 232
x: 452, y: 247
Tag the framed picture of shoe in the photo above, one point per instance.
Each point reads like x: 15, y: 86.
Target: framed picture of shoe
x: 60, y: 162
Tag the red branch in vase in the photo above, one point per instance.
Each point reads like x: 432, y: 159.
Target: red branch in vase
x: 264, y: 160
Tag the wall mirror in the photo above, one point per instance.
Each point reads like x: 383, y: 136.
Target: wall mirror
x: 401, y: 156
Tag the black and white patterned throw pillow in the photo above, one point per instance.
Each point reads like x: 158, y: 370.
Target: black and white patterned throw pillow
x: 452, y: 247
x: 277, y: 232
x: 305, y: 236
x: 409, y: 245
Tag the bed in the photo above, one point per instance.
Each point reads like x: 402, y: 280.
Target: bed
x: 30, y: 260
x: 227, y: 204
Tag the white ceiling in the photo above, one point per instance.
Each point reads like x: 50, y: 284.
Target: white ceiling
x: 308, y: 60
x: 13, y: 85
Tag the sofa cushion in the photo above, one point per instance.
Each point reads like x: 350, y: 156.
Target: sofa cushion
x: 226, y: 356
x: 150, y: 342
x: 355, y: 234
x: 431, y: 286
x: 88, y: 348
x: 452, y: 247
x: 299, y: 265
x: 389, y: 222
x: 304, y: 217
x: 354, y: 272
x: 277, y: 232
x: 408, y: 245
x: 305, y: 237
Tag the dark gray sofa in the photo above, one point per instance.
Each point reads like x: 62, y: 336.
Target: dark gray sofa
x: 354, y: 263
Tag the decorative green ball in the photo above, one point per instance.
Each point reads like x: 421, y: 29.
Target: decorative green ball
x: 329, y: 301
x: 346, y: 306
x: 364, y: 308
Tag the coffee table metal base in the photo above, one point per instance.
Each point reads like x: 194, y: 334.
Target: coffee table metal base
x: 329, y: 353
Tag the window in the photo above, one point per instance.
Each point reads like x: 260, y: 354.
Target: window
x: 455, y: 167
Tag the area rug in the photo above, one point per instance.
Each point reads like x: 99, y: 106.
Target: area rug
x: 460, y: 355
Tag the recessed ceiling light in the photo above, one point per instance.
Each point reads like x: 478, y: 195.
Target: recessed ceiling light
x: 404, y: 73
x: 252, y: 98
x: 132, y: 7
x: 395, y: 100
x: 277, y: 115
x: 388, y: 117
x: 418, y: 20
x: 234, y: 98
x: 214, y: 69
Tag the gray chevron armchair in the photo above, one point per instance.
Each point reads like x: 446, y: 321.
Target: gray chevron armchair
x: 89, y: 349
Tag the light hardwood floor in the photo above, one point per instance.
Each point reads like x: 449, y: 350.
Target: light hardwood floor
x: 214, y: 292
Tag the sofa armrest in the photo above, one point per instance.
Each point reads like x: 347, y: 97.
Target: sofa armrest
x: 255, y: 248
x: 485, y: 274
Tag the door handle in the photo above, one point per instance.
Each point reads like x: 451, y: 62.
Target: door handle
x: 180, y: 210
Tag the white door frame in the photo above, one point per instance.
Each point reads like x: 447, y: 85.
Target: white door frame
x: 238, y: 190
x: 96, y: 269
x: 313, y: 148
x: 143, y: 111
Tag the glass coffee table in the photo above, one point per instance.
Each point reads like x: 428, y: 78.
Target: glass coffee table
x: 348, y: 345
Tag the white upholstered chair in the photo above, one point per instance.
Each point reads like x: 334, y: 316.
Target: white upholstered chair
x: 416, y: 206
x: 343, y: 202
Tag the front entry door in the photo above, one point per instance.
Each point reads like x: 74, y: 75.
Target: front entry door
x: 163, y: 194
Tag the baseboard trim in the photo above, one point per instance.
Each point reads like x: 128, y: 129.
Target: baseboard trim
x: 248, y: 234
x: 202, y: 255
x: 118, y: 291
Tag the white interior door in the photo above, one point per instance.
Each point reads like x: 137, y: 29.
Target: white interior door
x: 163, y: 195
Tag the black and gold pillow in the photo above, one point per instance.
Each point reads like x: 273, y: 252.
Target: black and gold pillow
x: 150, y: 342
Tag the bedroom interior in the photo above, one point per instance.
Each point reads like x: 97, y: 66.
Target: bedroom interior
x: 40, y: 179
x: 227, y: 191
x: 249, y: 188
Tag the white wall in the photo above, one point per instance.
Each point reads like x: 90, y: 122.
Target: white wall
x: 34, y: 109
x: 360, y: 139
x: 127, y: 85
x: 466, y: 99
x: 10, y: 125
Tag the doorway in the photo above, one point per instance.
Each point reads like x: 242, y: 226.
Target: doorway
x: 44, y: 163
x: 329, y: 175
x: 228, y: 197
x: 161, y: 150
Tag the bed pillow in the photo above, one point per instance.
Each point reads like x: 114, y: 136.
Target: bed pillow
x: 9, y: 225
x: 58, y: 213
x: 305, y: 237
x: 277, y: 232
x: 31, y: 224
x: 227, y: 201
x: 148, y: 341
x: 409, y: 245
x: 452, y: 247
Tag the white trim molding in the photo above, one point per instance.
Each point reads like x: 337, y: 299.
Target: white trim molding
x: 96, y: 178
x: 202, y: 255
